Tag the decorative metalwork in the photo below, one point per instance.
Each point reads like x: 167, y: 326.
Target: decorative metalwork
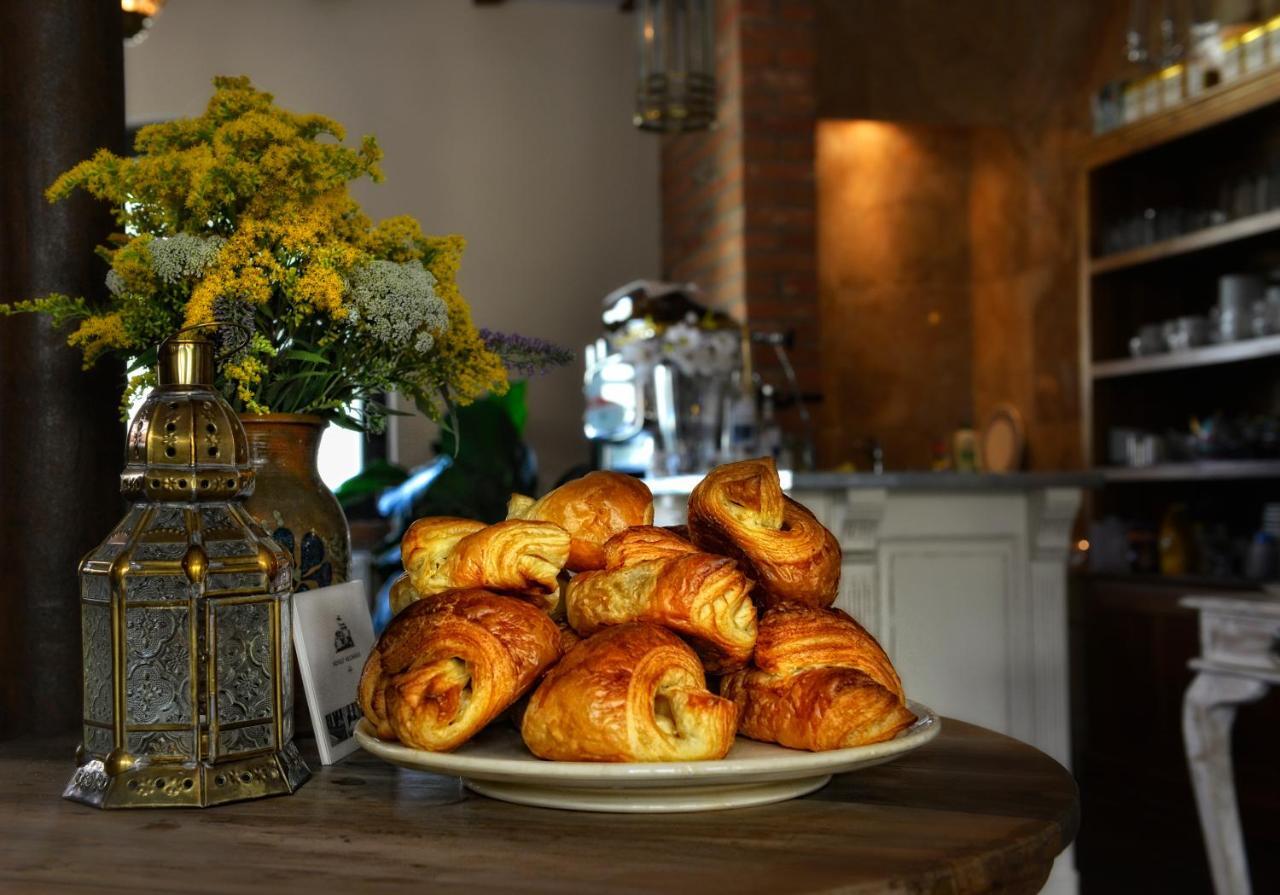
x: 188, y: 663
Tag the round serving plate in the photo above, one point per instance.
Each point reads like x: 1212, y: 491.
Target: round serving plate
x: 1004, y: 440
x: 497, y: 764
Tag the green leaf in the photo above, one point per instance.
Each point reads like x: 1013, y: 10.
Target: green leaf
x: 144, y: 360
x: 310, y: 356
x: 515, y: 404
x: 346, y: 421
x: 377, y: 476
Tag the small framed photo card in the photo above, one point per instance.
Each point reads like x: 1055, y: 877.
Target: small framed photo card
x: 332, y: 635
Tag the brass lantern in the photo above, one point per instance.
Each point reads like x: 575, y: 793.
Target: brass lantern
x: 185, y: 614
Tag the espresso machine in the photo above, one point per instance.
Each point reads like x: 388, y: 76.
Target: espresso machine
x: 668, y: 387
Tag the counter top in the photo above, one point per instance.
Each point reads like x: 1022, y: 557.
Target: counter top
x: 903, y: 481
x: 973, y: 811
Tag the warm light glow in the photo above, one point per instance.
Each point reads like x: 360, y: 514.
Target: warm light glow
x: 1252, y: 34
x: 1173, y: 71
x: 142, y: 7
x: 1082, y: 545
x: 862, y: 150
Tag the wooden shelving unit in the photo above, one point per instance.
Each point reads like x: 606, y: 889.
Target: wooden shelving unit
x: 1190, y: 472
x: 1215, y: 106
x: 1204, y: 157
x: 1130, y: 626
x: 1208, y: 356
x: 1208, y: 238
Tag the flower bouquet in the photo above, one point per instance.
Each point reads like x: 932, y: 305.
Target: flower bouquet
x: 241, y: 219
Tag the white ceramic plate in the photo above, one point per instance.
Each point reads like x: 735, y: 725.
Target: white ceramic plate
x: 497, y: 764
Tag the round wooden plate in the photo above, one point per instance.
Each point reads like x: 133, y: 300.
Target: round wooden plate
x: 1003, y: 440
x: 497, y: 764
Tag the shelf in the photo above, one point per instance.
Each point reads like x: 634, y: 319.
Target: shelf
x: 1209, y: 237
x: 1214, y: 106
x: 1181, y: 583
x: 1203, y: 469
x: 1229, y: 353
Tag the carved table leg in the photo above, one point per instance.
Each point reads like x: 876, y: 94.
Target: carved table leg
x: 1208, y: 711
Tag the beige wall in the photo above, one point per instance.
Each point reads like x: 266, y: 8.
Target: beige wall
x: 509, y: 124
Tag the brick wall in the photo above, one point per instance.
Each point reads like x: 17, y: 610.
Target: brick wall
x: 702, y: 205
x: 779, y: 98
x: 738, y: 202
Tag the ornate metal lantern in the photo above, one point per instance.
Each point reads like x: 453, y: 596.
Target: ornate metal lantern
x: 677, y: 87
x: 185, y: 612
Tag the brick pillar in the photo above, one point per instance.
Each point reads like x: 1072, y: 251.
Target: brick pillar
x: 702, y: 209
x: 738, y: 202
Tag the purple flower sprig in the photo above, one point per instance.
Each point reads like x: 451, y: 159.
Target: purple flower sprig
x: 526, y: 356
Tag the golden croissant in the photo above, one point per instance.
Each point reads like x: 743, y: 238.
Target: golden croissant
x: 739, y: 510
x: 402, y: 593
x: 446, y: 667
x: 633, y: 692
x: 702, y: 597
x: 644, y: 542
x: 818, y: 681
x: 442, y: 553
x: 592, y: 509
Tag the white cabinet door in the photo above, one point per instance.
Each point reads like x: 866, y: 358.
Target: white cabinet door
x: 950, y: 611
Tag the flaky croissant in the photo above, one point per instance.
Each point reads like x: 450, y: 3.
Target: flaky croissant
x: 702, y: 597
x: 818, y: 681
x: 442, y: 553
x: 446, y: 667
x: 592, y: 509
x: 739, y: 510
x: 402, y: 593
x: 633, y: 692
x: 644, y: 542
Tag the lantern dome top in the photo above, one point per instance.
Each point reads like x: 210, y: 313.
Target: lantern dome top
x: 186, y: 443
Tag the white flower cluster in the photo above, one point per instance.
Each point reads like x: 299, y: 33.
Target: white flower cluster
x: 692, y: 349
x: 398, y: 303
x: 182, y: 257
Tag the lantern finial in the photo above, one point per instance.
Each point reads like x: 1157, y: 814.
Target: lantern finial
x: 186, y: 359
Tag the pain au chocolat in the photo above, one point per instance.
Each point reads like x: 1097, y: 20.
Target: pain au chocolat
x: 633, y: 692
x: 592, y: 509
x: 653, y: 576
x: 818, y: 680
x: 516, y: 557
x: 447, y: 666
x: 739, y: 511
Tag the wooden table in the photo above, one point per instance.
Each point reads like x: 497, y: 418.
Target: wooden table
x: 974, y: 811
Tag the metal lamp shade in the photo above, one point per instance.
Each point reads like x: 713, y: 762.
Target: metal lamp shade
x: 185, y: 613
x: 677, y: 87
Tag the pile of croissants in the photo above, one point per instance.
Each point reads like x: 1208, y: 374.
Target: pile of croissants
x: 599, y: 630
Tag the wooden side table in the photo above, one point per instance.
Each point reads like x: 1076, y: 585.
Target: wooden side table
x: 1239, y: 661
x: 972, y: 812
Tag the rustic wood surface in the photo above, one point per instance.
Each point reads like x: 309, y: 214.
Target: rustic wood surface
x: 974, y: 811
